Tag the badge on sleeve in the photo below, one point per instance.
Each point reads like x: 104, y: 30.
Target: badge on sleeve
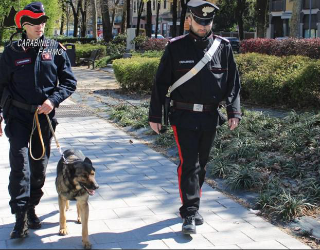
x: 46, y: 56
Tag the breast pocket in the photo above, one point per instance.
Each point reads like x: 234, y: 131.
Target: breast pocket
x: 23, y: 76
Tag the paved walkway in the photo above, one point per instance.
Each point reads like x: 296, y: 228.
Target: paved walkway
x: 137, y: 203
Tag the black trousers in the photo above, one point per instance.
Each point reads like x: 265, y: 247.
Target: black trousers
x: 27, y: 176
x: 194, y: 148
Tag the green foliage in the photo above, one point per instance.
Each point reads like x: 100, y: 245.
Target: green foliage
x: 243, y: 177
x: 104, y: 61
x: 138, y: 41
x: 290, y: 207
x: 269, y: 155
x: 84, y: 50
x: 286, y: 81
x: 166, y: 139
x: 136, y: 74
x: 149, y: 54
x: 129, y: 115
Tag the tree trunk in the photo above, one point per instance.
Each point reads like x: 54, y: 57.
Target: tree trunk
x: 94, y: 18
x: 128, y: 14
x: 75, y: 17
x: 124, y: 15
x: 140, y: 9
x: 106, y: 24
x: 149, y: 19
x: 183, y: 15
x: 240, y: 9
x: 174, y: 18
x: 157, y: 19
x: 295, y: 19
x: 262, y: 14
x: 83, y: 11
x: 61, y: 24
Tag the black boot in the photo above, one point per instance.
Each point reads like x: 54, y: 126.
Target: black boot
x: 20, y: 229
x: 33, y: 220
x: 199, y: 219
x: 189, y: 225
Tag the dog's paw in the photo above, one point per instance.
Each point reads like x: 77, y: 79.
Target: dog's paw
x: 78, y: 220
x: 63, y: 231
x: 86, y: 244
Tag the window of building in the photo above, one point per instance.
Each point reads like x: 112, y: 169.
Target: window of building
x: 313, y: 27
x: 154, y: 5
x: 134, y: 6
x: 141, y: 26
x: 314, y: 33
x: 164, y: 4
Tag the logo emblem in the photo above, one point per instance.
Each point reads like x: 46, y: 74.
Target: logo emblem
x: 207, y: 10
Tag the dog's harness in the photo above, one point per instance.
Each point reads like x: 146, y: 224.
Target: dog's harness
x: 36, y: 124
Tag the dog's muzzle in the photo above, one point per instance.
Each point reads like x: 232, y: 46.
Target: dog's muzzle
x: 90, y: 191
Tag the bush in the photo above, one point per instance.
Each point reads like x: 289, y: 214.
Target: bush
x: 149, y: 54
x: 136, y: 74
x: 84, y: 50
x: 154, y: 44
x: 287, y: 47
x: 288, y: 81
x: 138, y: 41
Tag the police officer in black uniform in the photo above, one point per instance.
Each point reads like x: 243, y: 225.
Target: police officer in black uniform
x: 194, y: 112
x: 29, y: 75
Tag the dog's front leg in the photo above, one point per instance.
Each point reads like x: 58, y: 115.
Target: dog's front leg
x: 78, y: 213
x: 63, y: 219
x: 84, y: 213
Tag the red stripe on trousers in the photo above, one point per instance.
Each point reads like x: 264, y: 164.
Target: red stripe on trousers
x: 174, y: 128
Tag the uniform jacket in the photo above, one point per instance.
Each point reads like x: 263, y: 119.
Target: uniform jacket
x: 33, y: 77
x: 217, y: 81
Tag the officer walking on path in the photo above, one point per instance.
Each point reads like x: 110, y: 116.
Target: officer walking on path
x: 197, y: 72
x: 29, y: 73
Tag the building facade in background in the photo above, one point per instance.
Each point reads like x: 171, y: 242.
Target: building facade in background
x: 280, y: 15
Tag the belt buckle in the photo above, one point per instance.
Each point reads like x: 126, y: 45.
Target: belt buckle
x: 197, y: 107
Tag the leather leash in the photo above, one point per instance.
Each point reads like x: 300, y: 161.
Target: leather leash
x: 36, y: 124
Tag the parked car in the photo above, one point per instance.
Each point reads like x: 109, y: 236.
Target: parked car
x: 235, y: 43
x: 158, y: 36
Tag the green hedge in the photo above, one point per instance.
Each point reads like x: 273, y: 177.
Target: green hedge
x: 84, y: 50
x: 137, y: 73
x: 291, y: 81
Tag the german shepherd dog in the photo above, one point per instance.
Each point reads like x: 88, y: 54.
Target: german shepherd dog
x: 75, y: 181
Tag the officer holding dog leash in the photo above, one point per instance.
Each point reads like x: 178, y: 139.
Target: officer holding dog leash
x: 30, y: 70
x: 196, y: 73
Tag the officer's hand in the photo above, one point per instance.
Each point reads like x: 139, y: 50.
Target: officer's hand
x: 233, y: 123
x: 156, y: 127
x: 46, y: 107
x: 1, y: 132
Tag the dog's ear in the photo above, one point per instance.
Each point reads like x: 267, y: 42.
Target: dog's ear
x: 87, y: 160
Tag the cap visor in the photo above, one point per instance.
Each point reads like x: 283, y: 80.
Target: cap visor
x: 34, y: 21
x: 203, y: 22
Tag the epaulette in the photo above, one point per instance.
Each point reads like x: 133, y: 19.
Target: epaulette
x: 64, y: 48
x: 176, y: 38
x: 223, y: 38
